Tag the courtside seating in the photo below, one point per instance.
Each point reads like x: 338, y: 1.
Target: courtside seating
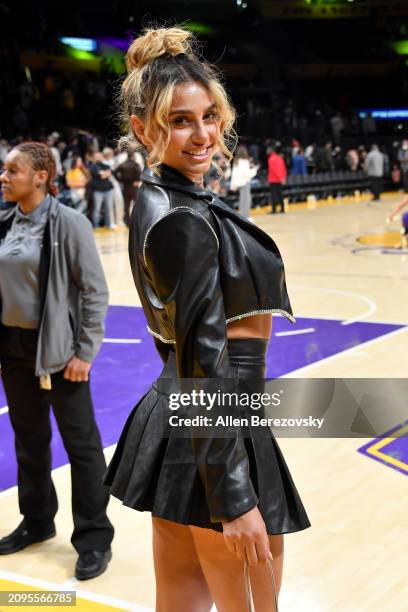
x: 298, y: 188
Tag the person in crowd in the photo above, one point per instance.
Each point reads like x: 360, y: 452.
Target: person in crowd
x: 362, y: 154
x: 277, y: 174
x: 73, y: 148
x: 102, y: 190
x: 254, y: 151
x: 396, y: 175
x: 324, y: 158
x: 118, y: 201
x: 386, y: 160
x: 4, y: 149
x: 310, y: 152
x: 53, y: 303
x: 67, y: 163
x: 51, y: 143
x: 208, y: 281
x: 241, y: 175
x: 339, y: 162
x: 77, y: 178
x: 403, y: 161
x: 298, y: 167
x: 352, y: 160
x: 374, y: 167
x: 217, y: 178
x: 128, y: 174
x: 295, y: 147
x: 337, y: 127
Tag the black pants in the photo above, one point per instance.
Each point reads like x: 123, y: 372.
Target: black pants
x: 276, y: 191
x: 404, y: 178
x: 375, y: 186
x: 29, y: 410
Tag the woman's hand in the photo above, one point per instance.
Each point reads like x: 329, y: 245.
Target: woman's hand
x: 77, y: 370
x: 246, y: 537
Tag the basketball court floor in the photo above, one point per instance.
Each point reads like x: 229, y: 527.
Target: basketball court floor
x: 348, y: 284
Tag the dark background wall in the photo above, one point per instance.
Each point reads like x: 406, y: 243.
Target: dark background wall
x: 287, y: 63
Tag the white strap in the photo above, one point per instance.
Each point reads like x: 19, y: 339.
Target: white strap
x: 248, y: 590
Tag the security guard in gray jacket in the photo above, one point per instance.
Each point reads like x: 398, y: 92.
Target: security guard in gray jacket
x: 53, y: 299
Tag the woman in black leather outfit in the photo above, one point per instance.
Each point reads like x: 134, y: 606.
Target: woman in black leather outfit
x: 208, y: 281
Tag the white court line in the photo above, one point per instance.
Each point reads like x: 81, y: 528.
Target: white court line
x: 3, y: 410
x: 123, y: 340
x: 372, y: 306
x: 54, y: 586
x: 127, y: 305
x: 296, y: 332
x: 354, y: 349
x: 66, y: 466
x: 8, y: 492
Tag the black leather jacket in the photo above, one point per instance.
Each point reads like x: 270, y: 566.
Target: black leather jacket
x: 197, y: 265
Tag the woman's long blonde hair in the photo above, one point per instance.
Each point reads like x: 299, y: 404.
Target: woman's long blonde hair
x: 157, y: 62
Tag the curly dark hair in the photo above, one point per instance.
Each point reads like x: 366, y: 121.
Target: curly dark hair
x: 41, y: 159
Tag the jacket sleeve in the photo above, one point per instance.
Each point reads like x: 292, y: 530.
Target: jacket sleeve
x: 118, y: 173
x: 87, y: 274
x: 181, y: 253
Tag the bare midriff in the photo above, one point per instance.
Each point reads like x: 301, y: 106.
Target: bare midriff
x: 257, y: 326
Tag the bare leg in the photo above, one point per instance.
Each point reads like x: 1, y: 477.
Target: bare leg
x: 180, y: 582
x: 262, y: 588
x: 225, y: 577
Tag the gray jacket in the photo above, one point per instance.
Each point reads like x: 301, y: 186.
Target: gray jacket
x: 73, y: 290
x: 374, y: 164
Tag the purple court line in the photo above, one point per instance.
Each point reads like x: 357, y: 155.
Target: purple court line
x: 122, y: 373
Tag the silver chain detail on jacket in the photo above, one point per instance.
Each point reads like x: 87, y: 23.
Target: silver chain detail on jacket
x: 266, y: 311
x: 236, y: 318
x: 160, y: 337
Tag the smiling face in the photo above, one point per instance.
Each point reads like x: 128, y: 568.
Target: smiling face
x: 19, y: 180
x: 194, y: 131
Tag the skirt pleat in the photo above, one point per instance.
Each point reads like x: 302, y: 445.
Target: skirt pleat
x: 153, y: 469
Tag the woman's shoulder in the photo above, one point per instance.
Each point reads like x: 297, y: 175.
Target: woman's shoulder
x: 155, y: 202
x: 69, y: 218
x: 182, y: 234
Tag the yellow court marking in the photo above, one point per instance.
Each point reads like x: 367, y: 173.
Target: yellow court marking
x: 374, y: 450
x: 386, y: 239
x: 82, y: 605
x: 330, y: 201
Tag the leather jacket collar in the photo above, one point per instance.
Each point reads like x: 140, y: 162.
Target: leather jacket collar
x: 172, y: 179
x: 169, y: 178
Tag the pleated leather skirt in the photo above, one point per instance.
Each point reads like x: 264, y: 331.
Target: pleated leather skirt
x: 153, y: 468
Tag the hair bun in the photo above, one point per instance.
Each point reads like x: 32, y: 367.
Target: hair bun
x: 156, y: 42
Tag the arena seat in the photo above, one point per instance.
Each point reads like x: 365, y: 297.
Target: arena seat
x: 299, y: 187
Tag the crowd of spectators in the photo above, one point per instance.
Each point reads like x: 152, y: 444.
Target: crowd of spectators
x: 278, y: 161
x: 100, y: 183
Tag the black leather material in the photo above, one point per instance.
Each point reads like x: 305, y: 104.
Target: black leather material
x: 155, y: 469
x: 175, y: 221
x: 196, y: 264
